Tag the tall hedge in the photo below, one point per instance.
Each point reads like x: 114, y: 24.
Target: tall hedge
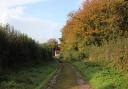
x: 18, y: 50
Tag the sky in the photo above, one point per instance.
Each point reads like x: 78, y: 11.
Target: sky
x: 39, y: 19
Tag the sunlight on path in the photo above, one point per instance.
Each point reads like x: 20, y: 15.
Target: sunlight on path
x: 68, y: 78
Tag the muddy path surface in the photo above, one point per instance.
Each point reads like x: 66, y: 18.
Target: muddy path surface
x: 67, y: 77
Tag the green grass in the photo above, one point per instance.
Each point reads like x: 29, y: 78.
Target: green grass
x: 28, y: 78
x: 101, y: 76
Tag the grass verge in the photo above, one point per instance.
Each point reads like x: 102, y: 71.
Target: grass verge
x: 101, y: 75
x: 29, y: 78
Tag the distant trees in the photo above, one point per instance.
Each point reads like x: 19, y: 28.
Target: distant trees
x: 18, y: 50
x: 52, y: 43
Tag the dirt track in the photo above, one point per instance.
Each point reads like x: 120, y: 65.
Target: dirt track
x: 67, y: 77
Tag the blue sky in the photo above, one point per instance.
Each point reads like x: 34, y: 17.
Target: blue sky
x: 39, y: 19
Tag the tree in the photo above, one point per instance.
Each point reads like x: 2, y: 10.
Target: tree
x: 53, y: 44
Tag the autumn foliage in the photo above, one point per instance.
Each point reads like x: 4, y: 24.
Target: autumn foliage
x: 95, y: 23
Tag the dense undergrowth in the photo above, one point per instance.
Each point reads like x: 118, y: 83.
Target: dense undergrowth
x: 102, y: 76
x: 106, y: 66
x: 115, y: 51
x: 35, y: 77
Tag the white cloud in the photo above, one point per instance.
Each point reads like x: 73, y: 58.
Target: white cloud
x: 41, y: 30
x: 13, y: 8
x: 80, y: 1
x: 6, y: 14
x: 13, y: 3
x: 13, y: 12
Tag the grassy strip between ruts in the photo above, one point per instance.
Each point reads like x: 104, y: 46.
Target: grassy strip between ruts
x: 102, y: 76
x: 29, y: 78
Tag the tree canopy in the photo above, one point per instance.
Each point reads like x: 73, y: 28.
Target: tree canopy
x: 95, y: 22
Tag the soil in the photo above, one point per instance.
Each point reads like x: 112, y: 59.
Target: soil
x: 67, y: 77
